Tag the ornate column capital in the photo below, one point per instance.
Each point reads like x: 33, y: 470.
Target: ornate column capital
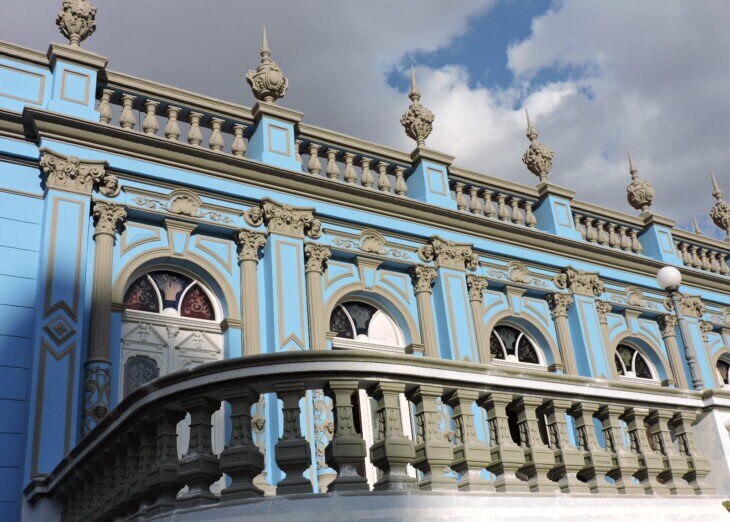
x: 476, y: 285
x: 249, y: 243
x: 449, y: 254
x: 559, y: 303
x: 579, y: 282
x: 423, y: 277
x: 667, y: 325
x: 603, y: 308
x: 316, y: 257
x: 285, y: 219
x: 691, y: 305
x: 76, y: 20
x: 108, y: 217
x: 77, y: 175
x: 706, y: 328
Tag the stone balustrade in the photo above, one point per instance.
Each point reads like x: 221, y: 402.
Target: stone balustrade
x: 494, y: 203
x: 607, y: 232
x: 476, y: 429
x: 702, y: 253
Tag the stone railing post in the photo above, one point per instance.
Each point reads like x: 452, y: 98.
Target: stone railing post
x: 423, y: 278
x: 624, y: 463
x: 506, y: 457
x: 434, y: 452
x: 470, y: 455
x: 568, y: 459
x: 138, y: 492
x: 249, y: 244
x: 559, y: 304
x: 698, y: 466
x: 198, y: 467
x: 292, y: 451
x: 162, y: 480
x: 127, y: 506
x: 241, y: 459
x: 392, y: 450
x: 315, y: 264
x: 675, y: 465
x: 650, y: 462
x: 668, y: 326
x: 97, y: 395
x: 596, y: 460
x: 476, y: 286
x: 539, y: 459
x: 346, y: 453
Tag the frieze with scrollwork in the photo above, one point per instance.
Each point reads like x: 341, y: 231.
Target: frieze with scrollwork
x: 182, y: 203
x: 370, y: 242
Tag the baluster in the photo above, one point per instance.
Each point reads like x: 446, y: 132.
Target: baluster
x: 686, y: 256
x: 602, y: 236
x: 332, y: 170
x: 162, y: 480
x: 314, y: 166
x: 502, y: 209
x: 699, y: 466
x: 636, y: 247
x: 241, y: 459
x: 401, y: 187
x: 613, y: 240
x: 591, y: 234
x: 539, y: 458
x: 392, y: 451
x: 474, y: 206
x: 530, y: 219
x: 704, y: 262
x: 215, y: 142
x: 199, y: 468
x: 350, y: 174
x: 714, y: 265
x: 674, y: 466
x: 172, y: 129
x: 366, y: 177
x: 292, y: 450
x: 579, y: 226
x: 650, y: 462
x: 624, y: 463
x: 126, y: 118
x: 625, y: 239
x: 105, y: 108
x: 568, y: 459
x: 724, y: 269
x: 596, y: 460
x: 489, y: 209
x: 460, y: 199
x: 195, y: 137
x: 238, y: 147
x: 298, y: 150
x: 383, y: 180
x: 506, y: 457
x: 470, y: 455
x: 517, y: 216
x: 346, y: 452
x: 434, y: 452
x: 696, y: 261
x: 150, y: 125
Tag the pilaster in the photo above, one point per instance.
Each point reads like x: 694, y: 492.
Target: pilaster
x: 476, y: 286
x: 272, y: 140
x: 553, y: 211
x: 429, y: 179
x: 656, y: 238
x: 668, y: 326
x: 423, y: 277
x: 249, y: 244
x: 316, y: 257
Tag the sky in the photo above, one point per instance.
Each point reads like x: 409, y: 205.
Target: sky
x: 598, y: 77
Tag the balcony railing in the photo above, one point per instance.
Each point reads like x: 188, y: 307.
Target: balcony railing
x: 605, y: 438
x: 702, y: 253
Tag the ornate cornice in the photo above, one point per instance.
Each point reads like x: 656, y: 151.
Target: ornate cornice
x: 423, y: 277
x: 559, y: 303
x: 249, y: 243
x: 76, y: 175
x: 285, y: 219
x: 476, y: 285
x: 108, y: 216
x: 316, y: 257
x: 691, y: 305
x: 449, y: 254
x: 76, y: 20
x: 579, y: 282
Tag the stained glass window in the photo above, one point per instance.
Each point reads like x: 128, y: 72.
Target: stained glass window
x: 171, y: 294
x: 631, y: 363
x: 363, y: 322
x: 511, y: 344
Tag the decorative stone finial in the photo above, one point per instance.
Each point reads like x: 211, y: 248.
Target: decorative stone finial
x: 267, y: 82
x: 640, y: 192
x: 720, y: 213
x: 417, y: 120
x: 696, y: 225
x: 538, y: 158
x: 76, y: 20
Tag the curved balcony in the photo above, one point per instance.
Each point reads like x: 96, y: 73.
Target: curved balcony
x: 483, y: 437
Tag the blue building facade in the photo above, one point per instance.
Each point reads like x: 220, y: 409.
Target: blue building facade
x: 155, y: 240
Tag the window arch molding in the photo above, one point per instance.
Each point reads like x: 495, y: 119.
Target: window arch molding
x: 721, y: 355
x: 381, y: 299
x: 193, y: 266
x: 658, y: 362
x: 538, y: 332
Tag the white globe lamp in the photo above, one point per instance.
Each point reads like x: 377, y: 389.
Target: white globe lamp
x: 669, y: 278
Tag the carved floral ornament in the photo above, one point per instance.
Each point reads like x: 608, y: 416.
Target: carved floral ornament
x: 77, y: 175
x: 417, y: 120
x: 285, y: 219
x: 720, y: 213
x: 603, y: 308
x: 449, y: 254
x: 76, y: 20
x: 579, y: 282
x: 691, y: 305
x: 477, y: 285
x: 538, y: 158
x: 640, y: 192
x: 422, y: 277
x: 267, y: 81
x: 249, y: 243
x: 667, y: 324
x: 706, y: 328
x: 559, y: 303
x: 108, y: 216
x: 184, y: 203
x: 316, y: 257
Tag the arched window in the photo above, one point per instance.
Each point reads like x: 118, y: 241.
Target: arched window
x: 630, y: 363
x: 171, y: 294
x: 723, y: 369
x: 357, y: 324
x: 511, y: 345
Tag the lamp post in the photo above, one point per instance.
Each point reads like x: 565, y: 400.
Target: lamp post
x: 669, y: 278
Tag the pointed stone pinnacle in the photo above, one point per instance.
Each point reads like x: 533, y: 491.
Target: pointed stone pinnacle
x: 531, y: 131
x: 696, y: 225
x: 716, y: 191
x: 264, y: 42
x: 640, y: 192
x: 267, y: 81
x: 415, y: 93
x: 632, y: 168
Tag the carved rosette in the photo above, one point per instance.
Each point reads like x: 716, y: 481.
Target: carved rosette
x: 579, y: 282
x: 108, y: 216
x: 720, y: 213
x: 667, y: 324
x: 691, y: 305
x: 538, y: 158
x: 316, y: 257
x: 449, y: 254
x: 603, y: 308
x: 267, y: 81
x: 249, y: 243
x: 285, y: 219
x: 477, y: 285
x: 640, y: 192
x: 76, y: 20
x: 77, y: 175
x: 417, y: 120
x: 97, y: 393
x: 423, y: 278
x: 559, y: 303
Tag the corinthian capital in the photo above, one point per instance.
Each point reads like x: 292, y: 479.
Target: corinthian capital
x: 76, y: 175
x: 316, y: 257
x: 476, y: 285
x: 108, y: 217
x: 579, y: 282
x: 559, y: 303
x: 449, y: 254
x: 249, y: 243
x: 706, y: 329
x: 285, y: 219
x: 667, y: 324
x: 422, y: 277
x: 603, y: 308
x: 690, y: 305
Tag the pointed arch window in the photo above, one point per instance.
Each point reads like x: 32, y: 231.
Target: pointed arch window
x: 357, y: 324
x: 170, y: 293
x: 631, y: 364
x: 511, y: 345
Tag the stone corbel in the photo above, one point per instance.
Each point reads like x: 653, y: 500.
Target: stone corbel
x: 72, y: 174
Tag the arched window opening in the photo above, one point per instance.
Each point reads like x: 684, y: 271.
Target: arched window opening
x: 723, y: 369
x: 171, y: 294
x: 356, y: 324
x: 511, y: 345
x: 630, y: 363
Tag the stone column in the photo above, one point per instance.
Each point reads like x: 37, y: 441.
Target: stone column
x: 423, y: 277
x: 668, y: 324
x: 97, y: 395
x: 249, y: 244
x: 477, y: 285
x: 559, y: 304
x: 315, y: 264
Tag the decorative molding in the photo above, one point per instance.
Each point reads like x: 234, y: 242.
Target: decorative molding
x: 369, y: 241
x: 267, y: 81
x: 316, y: 256
x: 77, y: 175
x: 285, y: 219
x: 249, y: 243
x: 423, y: 278
x: 417, y: 120
x: 449, y: 254
x: 477, y: 285
x: 706, y: 329
x: 603, y: 308
x: 559, y: 303
x: 76, y: 20
x: 579, y: 282
x: 667, y: 324
x: 108, y: 217
x: 182, y: 202
x: 692, y: 305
